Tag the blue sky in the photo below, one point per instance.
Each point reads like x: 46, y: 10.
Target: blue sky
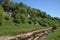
x: 51, y: 7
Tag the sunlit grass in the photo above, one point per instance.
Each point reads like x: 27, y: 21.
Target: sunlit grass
x: 54, y: 36
x: 11, y: 29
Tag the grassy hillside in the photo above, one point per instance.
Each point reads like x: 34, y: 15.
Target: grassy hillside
x: 11, y: 29
x: 16, y: 18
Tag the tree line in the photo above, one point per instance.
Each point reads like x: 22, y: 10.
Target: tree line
x: 21, y: 13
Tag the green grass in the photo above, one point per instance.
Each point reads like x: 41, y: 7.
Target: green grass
x: 11, y: 29
x: 54, y: 36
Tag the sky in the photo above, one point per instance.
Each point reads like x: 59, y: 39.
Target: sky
x: 51, y: 7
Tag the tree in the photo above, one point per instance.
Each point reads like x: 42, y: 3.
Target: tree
x: 23, y: 5
x: 12, y: 6
x: 6, y: 5
x: 43, y: 14
x: 16, y: 17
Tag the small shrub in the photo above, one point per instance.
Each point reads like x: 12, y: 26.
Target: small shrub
x: 0, y: 24
x: 29, y: 22
x: 16, y: 21
x: 7, y: 18
x: 54, y: 27
x: 22, y: 19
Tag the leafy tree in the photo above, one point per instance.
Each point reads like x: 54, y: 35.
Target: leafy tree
x: 43, y: 14
x: 23, y: 5
x: 22, y: 11
x: 12, y: 6
x: 16, y: 17
x: 6, y: 5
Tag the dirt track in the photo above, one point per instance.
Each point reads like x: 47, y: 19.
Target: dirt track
x: 34, y: 35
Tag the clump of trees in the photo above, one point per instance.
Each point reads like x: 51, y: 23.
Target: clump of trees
x: 20, y: 13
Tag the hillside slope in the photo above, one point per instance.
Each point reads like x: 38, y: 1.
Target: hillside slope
x: 18, y: 17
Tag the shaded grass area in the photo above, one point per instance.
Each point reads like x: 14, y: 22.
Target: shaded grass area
x: 54, y: 36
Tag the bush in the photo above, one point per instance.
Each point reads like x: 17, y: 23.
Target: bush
x: 16, y: 21
x: 54, y: 27
x: 29, y: 22
x: 16, y: 17
x: 0, y: 23
x: 22, y: 17
x: 7, y: 17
